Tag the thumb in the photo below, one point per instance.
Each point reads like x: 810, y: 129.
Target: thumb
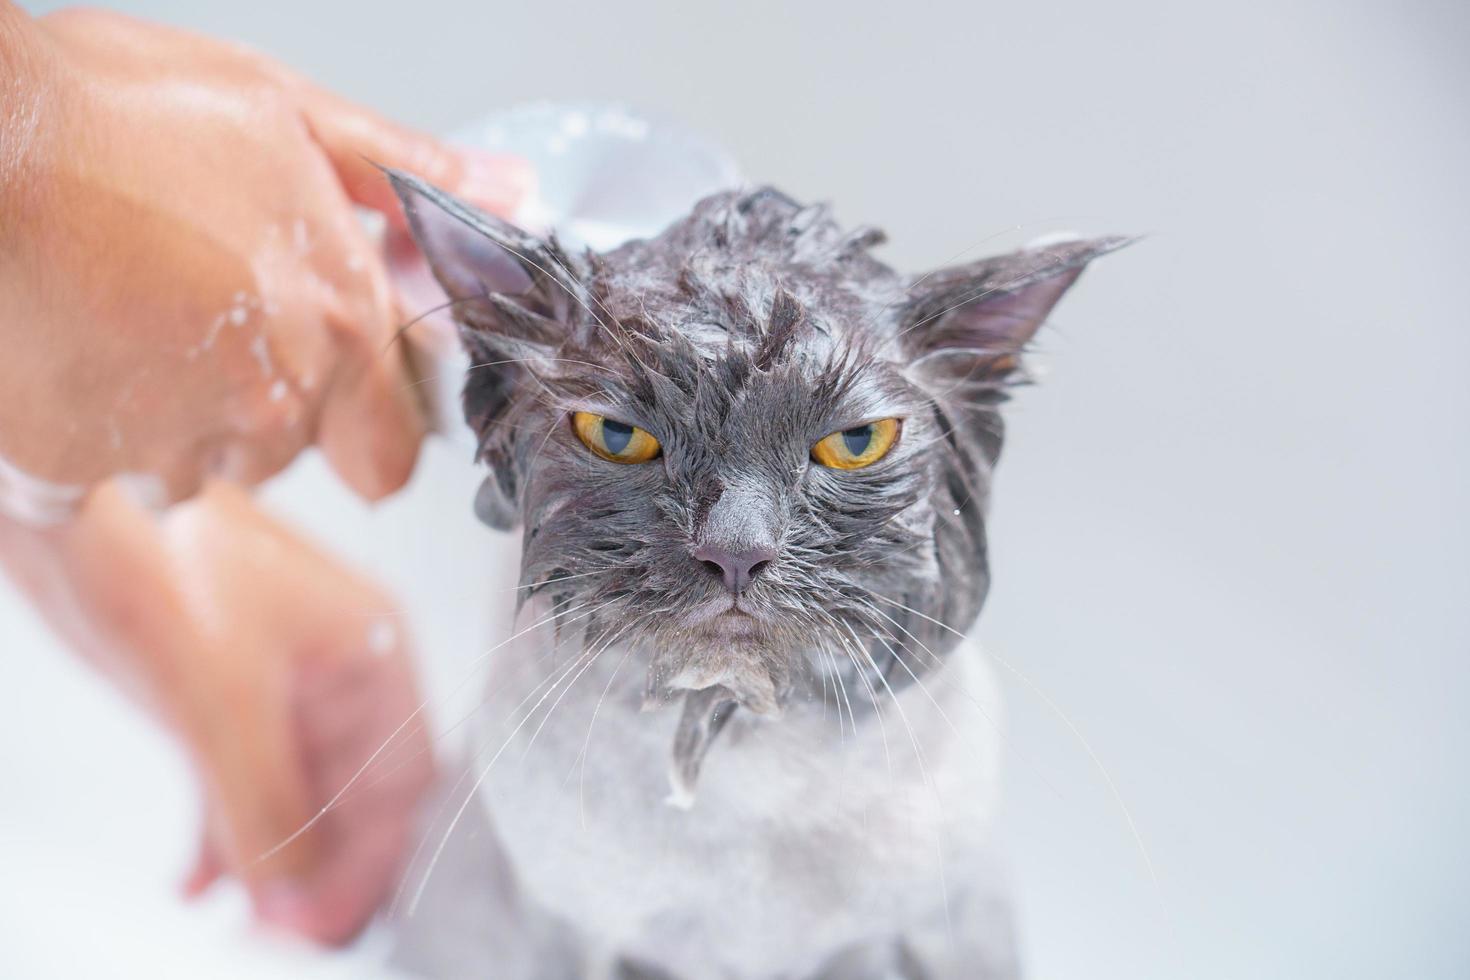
x: 371, y: 425
x: 358, y: 141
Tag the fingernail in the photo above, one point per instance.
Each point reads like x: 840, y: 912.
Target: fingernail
x: 283, y: 904
x: 496, y: 181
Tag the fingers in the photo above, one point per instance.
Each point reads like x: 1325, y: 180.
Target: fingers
x: 345, y: 706
x: 365, y: 415
x: 358, y: 142
x: 371, y: 423
x: 332, y: 904
x: 258, y: 785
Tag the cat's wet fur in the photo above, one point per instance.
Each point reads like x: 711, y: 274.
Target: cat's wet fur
x: 740, y: 337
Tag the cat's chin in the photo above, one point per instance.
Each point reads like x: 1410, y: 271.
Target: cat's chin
x: 751, y: 673
x: 725, y: 659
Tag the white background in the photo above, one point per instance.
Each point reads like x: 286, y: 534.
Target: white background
x: 1230, y: 531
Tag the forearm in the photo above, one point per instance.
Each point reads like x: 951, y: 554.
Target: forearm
x: 98, y: 581
x: 29, y: 93
x: 21, y: 96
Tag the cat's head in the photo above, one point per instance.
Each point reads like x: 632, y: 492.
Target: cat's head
x: 745, y: 445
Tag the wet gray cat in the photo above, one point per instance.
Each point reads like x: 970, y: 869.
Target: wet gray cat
x: 751, y: 464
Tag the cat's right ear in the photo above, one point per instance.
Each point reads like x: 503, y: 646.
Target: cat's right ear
x: 514, y: 294
x: 968, y: 325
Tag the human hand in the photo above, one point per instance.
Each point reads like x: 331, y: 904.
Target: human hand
x: 185, y: 287
x: 282, y: 672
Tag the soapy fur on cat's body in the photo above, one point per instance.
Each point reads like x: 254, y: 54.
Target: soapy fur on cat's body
x: 747, y: 739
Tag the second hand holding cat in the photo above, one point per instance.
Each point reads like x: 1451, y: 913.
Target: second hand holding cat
x: 279, y: 668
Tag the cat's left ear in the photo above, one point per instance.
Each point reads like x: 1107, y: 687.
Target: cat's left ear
x: 515, y: 295
x: 970, y: 323
x: 517, y: 299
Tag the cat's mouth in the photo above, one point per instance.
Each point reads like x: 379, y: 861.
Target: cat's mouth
x: 725, y: 620
x: 733, y: 624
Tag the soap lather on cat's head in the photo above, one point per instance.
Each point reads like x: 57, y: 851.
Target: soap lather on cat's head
x: 760, y: 453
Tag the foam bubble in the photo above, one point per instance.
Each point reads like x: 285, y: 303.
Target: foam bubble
x: 31, y: 500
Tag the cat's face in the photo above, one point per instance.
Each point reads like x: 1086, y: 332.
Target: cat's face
x: 745, y: 445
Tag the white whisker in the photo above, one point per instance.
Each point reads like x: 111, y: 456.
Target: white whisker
x: 1076, y: 733
x: 923, y: 774
x: 873, y: 697
x: 427, y: 702
x: 475, y: 789
x: 587, y: 742
x: 995, y: 727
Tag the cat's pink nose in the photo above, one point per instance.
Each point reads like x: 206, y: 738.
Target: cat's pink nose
x: 736, y: 567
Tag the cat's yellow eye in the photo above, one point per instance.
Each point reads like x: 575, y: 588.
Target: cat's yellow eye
x: 614, y: 440
x: 862, y: 445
